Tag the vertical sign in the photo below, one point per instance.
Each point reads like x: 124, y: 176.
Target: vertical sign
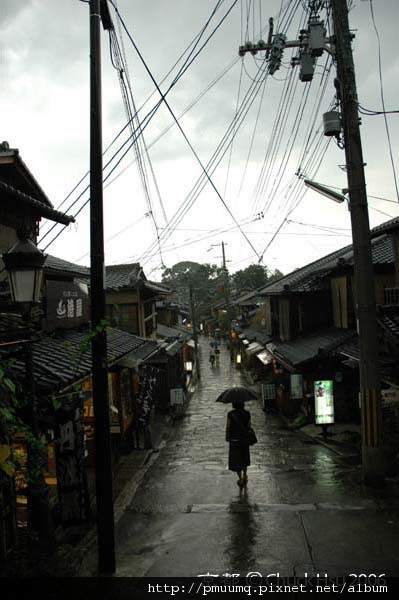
x: 71, y: 470
x: 324, y: 402
x: 176, y: 396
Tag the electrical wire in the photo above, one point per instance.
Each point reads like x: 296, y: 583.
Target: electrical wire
x: 146, y: 120
x: 383, y: 100
x: 181, y: 129
x: 218, y: 154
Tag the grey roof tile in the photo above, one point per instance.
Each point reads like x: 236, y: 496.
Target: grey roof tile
x: 53, y: 263
x: 310, y: 277
x: 172, y: 332
x: 33, y: 205
x: 256, y: 335
x: 306, y: 348
x: 123, y: 276
x: 62, y: 358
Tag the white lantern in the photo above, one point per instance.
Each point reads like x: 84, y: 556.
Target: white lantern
x: 24, y: 263
x: 188, y: 366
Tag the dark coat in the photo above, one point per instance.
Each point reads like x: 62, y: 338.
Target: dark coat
x: 237, y: 435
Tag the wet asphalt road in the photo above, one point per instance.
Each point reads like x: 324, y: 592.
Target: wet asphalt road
x: 305, y: 509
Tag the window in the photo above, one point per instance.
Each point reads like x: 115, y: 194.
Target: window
x: 124, y: 316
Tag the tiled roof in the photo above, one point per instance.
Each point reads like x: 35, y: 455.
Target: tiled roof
x: 14, y: 171
x: 60, y: 360
x: 157, y: 287
x: 171, y: 333
x: 306, y: 348
x: 310, y: 277
x: 246, y: 299
x: 385, y: 227
x: 53, y: 263
x: 146, y: 350
x: 11, y: 326
x: 390, y: 323
x: 123, y: 276
x: 256, y: 335
x: 35, y: 206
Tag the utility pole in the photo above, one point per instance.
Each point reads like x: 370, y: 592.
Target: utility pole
x: 195, y: 332
x: 226, y: 289
x: 311, y: 44
x: 103, y: 458
x: 226, y: 285
x: 370, y: 384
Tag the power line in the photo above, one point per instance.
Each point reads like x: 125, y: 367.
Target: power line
x: 148, y: 117
x: 218, y: 154
x: 383, y: 100
x: 180, y: 127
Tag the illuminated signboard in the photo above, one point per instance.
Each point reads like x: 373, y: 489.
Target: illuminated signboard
x: 324, y: 402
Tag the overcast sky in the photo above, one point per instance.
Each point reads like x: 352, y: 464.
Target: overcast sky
x: 44, y: 107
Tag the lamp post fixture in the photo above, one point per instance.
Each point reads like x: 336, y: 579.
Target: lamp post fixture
x: 24, y: 264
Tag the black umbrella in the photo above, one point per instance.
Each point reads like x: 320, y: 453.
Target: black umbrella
x: 236, y: 393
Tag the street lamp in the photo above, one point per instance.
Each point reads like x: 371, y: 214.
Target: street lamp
x: 325, y: 191
x: 24, y: 264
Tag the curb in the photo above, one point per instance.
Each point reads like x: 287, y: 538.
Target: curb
x: 84, y: 553
x: 342, y: 454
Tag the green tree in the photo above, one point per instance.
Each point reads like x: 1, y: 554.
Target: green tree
x: 254, y: 277
x: 206, y: 279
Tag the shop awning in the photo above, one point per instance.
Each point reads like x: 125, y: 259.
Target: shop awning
x: 265, y: 357
x: 301, y: 350
x: 253, y: 348
x: 173, y: 348
x: 130, y: 362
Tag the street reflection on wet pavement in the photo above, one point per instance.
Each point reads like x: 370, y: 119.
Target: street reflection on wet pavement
x: 305, y: 508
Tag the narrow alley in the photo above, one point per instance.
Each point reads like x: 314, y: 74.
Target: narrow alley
x: 305, y: 509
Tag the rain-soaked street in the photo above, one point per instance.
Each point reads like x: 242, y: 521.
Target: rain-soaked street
x: 305, y: 509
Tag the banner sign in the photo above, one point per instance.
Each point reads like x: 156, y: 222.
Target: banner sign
x: 67, y: 304
x: 296, y: 386
x: 324, y: 402
x: 72, y: 483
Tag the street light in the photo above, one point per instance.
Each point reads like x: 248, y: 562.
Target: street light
x: 24, y: 263
x: 324, y: 191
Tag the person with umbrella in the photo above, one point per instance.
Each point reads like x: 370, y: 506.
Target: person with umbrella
x: 238, y: 431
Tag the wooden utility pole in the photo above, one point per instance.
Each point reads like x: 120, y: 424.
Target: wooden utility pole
x: 195, y: 332
x: 226, y: 289
x: 370, y: 385
x: 103, y: 458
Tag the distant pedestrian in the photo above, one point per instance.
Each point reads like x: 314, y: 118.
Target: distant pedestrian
x: 212, y: 357
x: 237, y: 434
